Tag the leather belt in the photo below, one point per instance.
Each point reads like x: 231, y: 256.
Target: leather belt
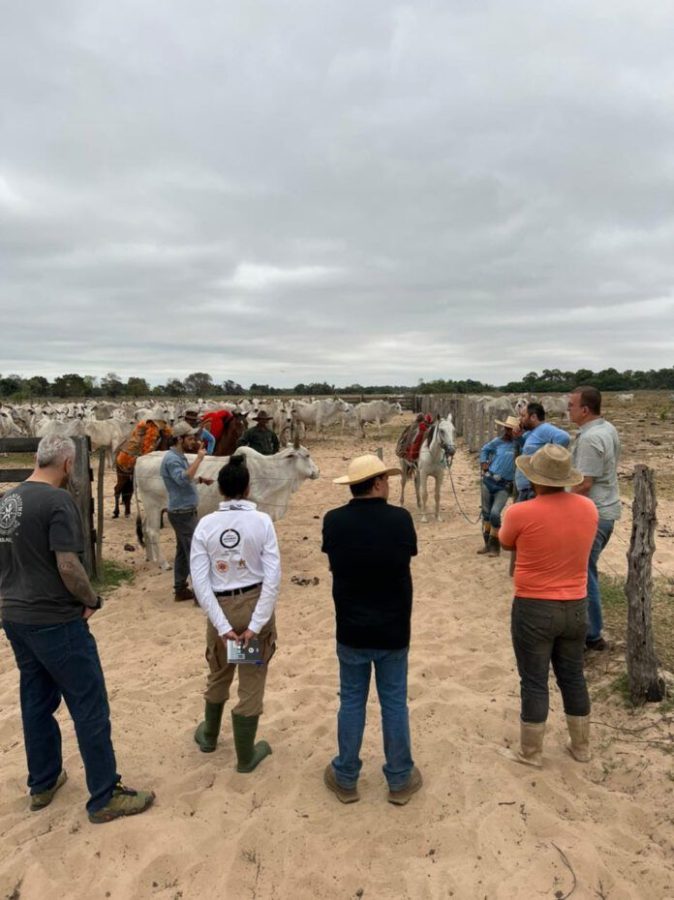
x: 235, y: 591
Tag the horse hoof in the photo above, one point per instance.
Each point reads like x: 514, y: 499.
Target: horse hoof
x: 115, y: 515
x: 424, y: 518
x: 439, y: 519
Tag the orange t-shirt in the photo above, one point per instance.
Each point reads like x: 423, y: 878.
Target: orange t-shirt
x: 553, y: 535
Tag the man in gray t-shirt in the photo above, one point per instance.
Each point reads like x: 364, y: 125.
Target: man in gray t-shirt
x: 595, y: 454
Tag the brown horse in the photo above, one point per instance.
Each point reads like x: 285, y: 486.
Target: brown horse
x: 125, y: 462
x: 232, y: 431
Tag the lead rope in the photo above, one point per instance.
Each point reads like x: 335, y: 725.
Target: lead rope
x: 456, y: 497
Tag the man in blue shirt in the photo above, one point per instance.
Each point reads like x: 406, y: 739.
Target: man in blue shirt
x: 536, y: 433
x: 497, y: 460
x: 179, y: 477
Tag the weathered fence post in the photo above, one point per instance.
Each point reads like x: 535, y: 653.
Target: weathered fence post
x: 99, y: 510
x: 642, y: 664
x: 80, y: 488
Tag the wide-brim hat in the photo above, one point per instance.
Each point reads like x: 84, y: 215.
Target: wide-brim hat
x: 363, y: 467
x: 550, y: 466
x: 262, y: 416
x: 182, y: 429
x: 510, y: 422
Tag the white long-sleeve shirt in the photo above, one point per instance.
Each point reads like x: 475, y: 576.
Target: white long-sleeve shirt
x: 233, y: 548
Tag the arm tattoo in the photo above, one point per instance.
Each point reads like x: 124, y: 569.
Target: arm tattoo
x: 75, y: 578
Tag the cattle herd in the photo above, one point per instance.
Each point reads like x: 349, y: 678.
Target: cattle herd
x: 108, y: 423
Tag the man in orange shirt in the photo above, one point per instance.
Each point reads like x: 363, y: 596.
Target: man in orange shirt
x: 552, y: 536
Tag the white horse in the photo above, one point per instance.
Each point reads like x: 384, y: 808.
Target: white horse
x: 437, y: 447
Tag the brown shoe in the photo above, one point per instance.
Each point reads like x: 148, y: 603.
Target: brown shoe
x: 44, y: 798
x: 183, y: 594
x: 403, y: 796
x: 345, y: 795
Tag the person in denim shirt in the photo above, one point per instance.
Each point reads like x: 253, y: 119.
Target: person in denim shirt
x: 497, y: 460
x: 179, y: 476
x: 536, y: 433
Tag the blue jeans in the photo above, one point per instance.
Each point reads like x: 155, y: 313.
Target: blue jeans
x: 604, y: 532
x: 62, y: 661
x: 545, y: 632
x: 390, y: 672
x: 494, y: 498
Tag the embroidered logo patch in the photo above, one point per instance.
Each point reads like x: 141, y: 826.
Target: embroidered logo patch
x: 222, y: 566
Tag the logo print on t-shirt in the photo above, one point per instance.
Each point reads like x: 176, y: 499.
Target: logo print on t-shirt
x: 10, y: 514
x: 230, y: 539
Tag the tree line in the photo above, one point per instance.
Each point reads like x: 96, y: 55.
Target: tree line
x: 201, y: 384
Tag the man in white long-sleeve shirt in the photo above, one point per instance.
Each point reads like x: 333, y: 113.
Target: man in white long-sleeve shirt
x: 236, y: 573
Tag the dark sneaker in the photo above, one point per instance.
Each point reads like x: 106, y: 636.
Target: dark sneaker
x: 44, y: 798
x: 183, y: 593
x: 402, y: 796
x: 345, y: 795
x: 597, y: 644
x: 124, y: 802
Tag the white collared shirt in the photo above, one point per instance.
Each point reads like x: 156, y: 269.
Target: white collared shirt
x: 233, y: 548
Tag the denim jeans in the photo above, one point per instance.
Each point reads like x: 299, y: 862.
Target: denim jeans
x: 390, y: 672
x: 183, y: 523
x: 544, y: 632
x: 525, y: 494
x: 62, y: 661
x: 494, y: 498
x: 596, y: 622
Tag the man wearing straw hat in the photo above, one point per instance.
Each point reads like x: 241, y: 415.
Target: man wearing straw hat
x: 370, y: 544
x: 260, y: 437
x: 552, y: 536
x: 497, y: 461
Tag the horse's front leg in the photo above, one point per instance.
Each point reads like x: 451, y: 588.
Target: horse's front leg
x: 424, y: 497
x: 416, y: 486
x: 403, y: 482
x: 438, y: 485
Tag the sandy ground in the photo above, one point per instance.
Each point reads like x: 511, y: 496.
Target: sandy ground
x: 481, y: 827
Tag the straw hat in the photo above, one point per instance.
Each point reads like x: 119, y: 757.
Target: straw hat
x: 363, y: 467
x: 551, y: 466
x: 510, y: 422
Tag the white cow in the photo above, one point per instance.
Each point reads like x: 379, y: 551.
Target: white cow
x: 272, y: 480
x: 321, y: 412
x: 376, y: 411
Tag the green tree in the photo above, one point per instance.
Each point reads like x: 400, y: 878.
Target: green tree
x: 70, y: 385
x: 199, y: 384
x: 137, y: 387
x: 112, y: 385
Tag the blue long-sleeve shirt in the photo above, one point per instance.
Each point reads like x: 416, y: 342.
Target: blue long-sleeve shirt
x: 182, y: 493
x: 533, y: 440
x: 500, y: 455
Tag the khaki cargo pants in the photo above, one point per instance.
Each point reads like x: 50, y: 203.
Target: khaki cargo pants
x: 239, y: 610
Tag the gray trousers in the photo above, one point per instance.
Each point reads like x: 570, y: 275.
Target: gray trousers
x: 183, y: 523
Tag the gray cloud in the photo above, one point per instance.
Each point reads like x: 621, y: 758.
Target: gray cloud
x: 349, y: 192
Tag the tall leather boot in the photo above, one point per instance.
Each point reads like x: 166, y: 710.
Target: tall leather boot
x: 486, y: 530
x: 579, y: 732
x: 207, y: 731
x: 494, y: 548
x: 531, y: 745
x: 249, y: 754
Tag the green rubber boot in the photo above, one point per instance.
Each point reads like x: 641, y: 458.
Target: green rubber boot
x: 248, y: 753
x: 207, y: 731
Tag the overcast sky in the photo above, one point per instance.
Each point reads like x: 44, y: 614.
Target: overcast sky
x: 346, y: 191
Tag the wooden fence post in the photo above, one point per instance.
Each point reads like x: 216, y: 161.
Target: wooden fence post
x: 99, y: 510
x: 80, y: 487
x: 642, y: 665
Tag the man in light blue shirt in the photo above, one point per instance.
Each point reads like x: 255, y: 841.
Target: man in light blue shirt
x: 497, y: 461
x: 179, y: 477
x: 536, y: 433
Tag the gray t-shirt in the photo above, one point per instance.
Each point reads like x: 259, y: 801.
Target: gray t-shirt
x: 36, y: 520
x: 595, y: 453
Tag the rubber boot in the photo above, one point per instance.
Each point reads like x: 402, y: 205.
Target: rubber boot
x: 531, y: 745
x: 207, y: 731
x: 579, y: 731
x: 486, y: 530
x: 248, y: 753
x: 494, y: 548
